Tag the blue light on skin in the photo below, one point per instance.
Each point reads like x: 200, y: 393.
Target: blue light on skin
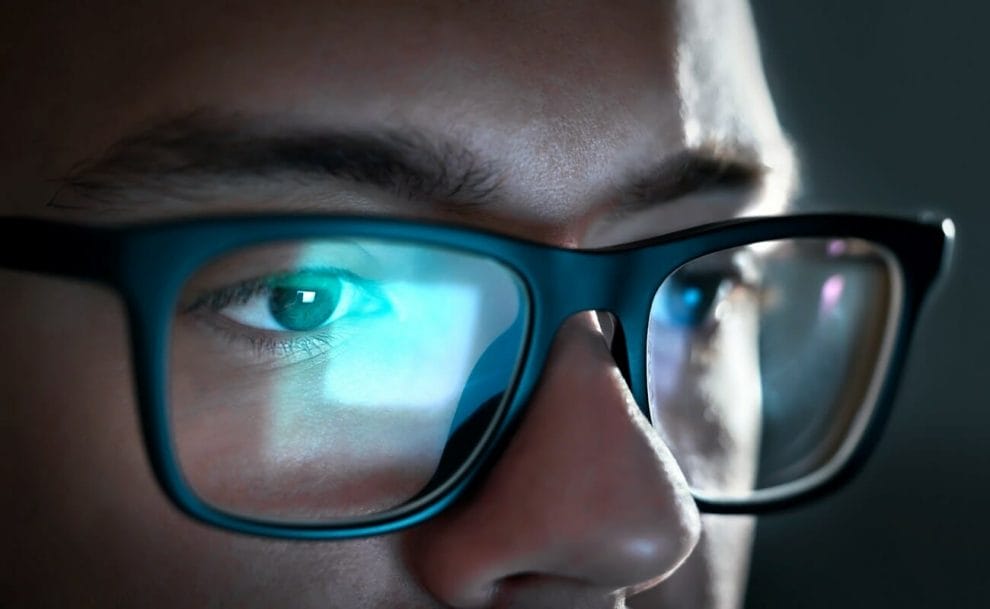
x: 388, y: 387
x: 277, y: 434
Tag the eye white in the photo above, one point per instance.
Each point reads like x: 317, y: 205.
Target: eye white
x: 255, y: 313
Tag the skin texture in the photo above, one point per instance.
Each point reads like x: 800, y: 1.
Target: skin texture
x: 570, y: 101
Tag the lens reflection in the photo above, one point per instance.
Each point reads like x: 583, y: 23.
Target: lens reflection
x: 315, y: 381
x: 762, y: 359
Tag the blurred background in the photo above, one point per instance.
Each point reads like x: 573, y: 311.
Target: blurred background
x: 888, y: 103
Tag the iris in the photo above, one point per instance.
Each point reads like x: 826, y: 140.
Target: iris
x: 688, y: 299
x: 302, y: 306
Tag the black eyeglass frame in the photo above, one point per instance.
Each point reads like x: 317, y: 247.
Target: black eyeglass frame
x: 148, y: 263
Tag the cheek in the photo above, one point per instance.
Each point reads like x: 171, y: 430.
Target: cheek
x: 706, y: 397
x: 83, y: 516
x: 87, y: 520
x: 67, y: 393
x: 69, y: 420
x: 277, y: 445
x: 733, y: 389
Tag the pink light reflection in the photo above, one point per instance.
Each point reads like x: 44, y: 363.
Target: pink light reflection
x: 836, y: 247
x: 832, y: 293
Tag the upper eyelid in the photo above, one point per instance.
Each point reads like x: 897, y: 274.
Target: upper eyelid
x: 747, y: 264
x: 256, y: 285
x: 221, y: 297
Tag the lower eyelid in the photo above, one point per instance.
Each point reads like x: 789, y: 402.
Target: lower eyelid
x: 262, y: 343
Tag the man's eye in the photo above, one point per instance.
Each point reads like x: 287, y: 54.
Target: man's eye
x: 301, y: 302
x: 689, y: 299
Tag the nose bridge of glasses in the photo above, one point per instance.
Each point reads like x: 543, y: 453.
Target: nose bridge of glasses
x: 612, y: 282
x: 577, y: 281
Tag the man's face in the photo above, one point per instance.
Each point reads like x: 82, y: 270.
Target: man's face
x: 575, y: 113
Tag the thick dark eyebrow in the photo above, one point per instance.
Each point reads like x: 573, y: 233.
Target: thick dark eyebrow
x: 695, y: 171
x: 204, y: 150
x: 198, y: 150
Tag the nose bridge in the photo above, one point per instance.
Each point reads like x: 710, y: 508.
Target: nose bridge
x: 642, y: 505
x: 585, y: 491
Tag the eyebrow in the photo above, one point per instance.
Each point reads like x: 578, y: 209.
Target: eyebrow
x: 696, y: 171
x: 207, y: 150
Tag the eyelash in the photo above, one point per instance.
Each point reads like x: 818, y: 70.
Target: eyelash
x: 263, y: 343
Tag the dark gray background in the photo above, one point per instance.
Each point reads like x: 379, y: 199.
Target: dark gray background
x: 887, y: 102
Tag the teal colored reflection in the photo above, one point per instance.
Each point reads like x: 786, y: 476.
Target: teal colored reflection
x: 356, y: 419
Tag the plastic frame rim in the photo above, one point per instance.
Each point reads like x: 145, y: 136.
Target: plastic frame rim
x: 147, y: 263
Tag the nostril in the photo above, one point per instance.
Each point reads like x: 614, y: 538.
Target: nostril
x: 539, y: 589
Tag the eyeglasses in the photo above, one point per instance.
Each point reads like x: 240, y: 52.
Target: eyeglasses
x: 335, y: 377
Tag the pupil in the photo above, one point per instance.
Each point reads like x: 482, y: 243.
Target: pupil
x: 300, y: 308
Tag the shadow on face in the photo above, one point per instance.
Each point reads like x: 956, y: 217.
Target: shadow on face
x: 575, y: 124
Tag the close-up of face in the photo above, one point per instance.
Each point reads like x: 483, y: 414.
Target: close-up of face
x: 576, y: 125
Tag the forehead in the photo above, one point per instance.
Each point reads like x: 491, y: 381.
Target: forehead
x: 325, y: 56
x: 570, y: 96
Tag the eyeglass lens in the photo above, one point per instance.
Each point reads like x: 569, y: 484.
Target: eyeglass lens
x: 319, y: 380
x: 762, y: 360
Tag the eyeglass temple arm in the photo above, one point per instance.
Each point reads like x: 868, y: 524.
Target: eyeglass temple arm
x: 52, y: 248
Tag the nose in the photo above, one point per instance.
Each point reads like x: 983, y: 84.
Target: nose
x: 586, y: 500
